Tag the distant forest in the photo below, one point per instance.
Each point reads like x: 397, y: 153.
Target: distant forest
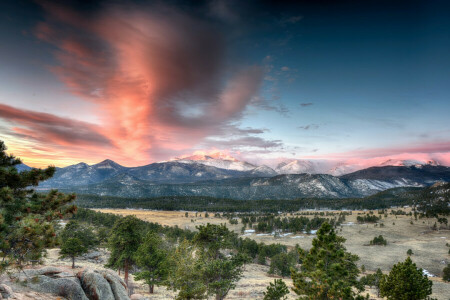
x: 385, y: 199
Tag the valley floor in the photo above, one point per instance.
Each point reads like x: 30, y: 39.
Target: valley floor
x: 429, y: 246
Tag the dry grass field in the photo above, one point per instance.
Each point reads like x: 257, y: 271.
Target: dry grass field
x: 429, y: 246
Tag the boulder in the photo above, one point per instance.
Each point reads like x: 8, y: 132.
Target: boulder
x: 5, y: 291
x: 69, y: 287
x: 117, y: 284
x: 95, y: 286
x: 47, y: 271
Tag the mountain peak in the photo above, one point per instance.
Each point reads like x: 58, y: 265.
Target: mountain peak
x: 409, y: 163
x: 202, y: 156
x: 108, y: 163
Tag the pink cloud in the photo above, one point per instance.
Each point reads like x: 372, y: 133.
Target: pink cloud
x: 158, y: 75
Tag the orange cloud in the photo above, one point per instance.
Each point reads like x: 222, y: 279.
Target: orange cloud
x: 158, y: 76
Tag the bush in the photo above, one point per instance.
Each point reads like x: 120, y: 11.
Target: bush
x: 446, y: 273
x: 379, y: 240
x: 281, y: 264
x: 276, y: 290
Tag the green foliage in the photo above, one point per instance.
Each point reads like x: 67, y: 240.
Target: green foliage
x: 107, y: 221
x: 367, y: 219
x: 220, y: 272
x: 73, y: 247
x: 281, y: 263
x: 409, y: 252
x: 123, y: 243
x: 446, y: 273
x: 76, y: 240
x: 151, y: 258
x: 328, y: 270
x: 405, y: 282
x: 372, y: 280
x: 211, y: 238
x: 27, y: 218
x: 433, y: 201
x: 379, y: 240
x: 276, y: 290
x: 385, y: 199
x: 186, y: 273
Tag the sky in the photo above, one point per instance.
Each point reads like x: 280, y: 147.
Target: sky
x: 264, y: 81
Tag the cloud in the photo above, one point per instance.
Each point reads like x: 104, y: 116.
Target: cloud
x: 309, y: 126
x: 159, y: 77
x: 48, y: 128
x: 306, y: 104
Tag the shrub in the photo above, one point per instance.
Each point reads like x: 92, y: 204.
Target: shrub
x: 379, y: 240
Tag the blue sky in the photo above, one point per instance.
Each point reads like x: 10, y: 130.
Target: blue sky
x: 140, y: 81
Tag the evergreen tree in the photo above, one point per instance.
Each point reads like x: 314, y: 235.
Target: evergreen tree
x: 281, y: 264
x: 328, y: 271
x: 186, y: 273
x: 276, y: 290
x: 373, y: 280
x: 76, y: 240
x: 123, y: 244
x: 151, y: 257
x: 27, y: 218
x: 405, y: 282
x: 446, y: 273
x: 73, y: 247
x: 220, y: 272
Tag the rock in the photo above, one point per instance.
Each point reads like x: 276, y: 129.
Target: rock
x: 69, y: 287
x: 95, y: 286
x: 117, y: 284
x: 93, y: 255
x: 47, y: 271
x: 6, y: 291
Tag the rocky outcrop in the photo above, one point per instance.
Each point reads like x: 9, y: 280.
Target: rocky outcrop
x: 118, y: 286
x: 86, y: 285
x: 5, y: 291
x: 95, y: 286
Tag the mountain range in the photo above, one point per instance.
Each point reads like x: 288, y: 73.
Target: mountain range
x: 226, y: 177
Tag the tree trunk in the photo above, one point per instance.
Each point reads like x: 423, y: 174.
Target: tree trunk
x: 219, y: 297
x: 73, y: 262
x: 151, y: 287
x: 125, y: 270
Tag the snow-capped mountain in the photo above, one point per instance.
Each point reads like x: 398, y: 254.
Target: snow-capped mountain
x: 227, y: 162
x: 287, y: 186
x: 409, y: 162
x: 297, y: 166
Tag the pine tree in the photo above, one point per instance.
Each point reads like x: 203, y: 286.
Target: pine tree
x: 27, y: 218
x: 123, y: 244
x: 220, y: 272
x: 405, y: 282
x: 276, y: 290
x: 76, y: 240
x: 328, y: 271
x: 446, y: 273
x: 186, y: 273
x: 73, y: 247
x: 151, y: 257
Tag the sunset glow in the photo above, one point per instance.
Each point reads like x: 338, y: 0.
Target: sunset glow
x: 151, y: 82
